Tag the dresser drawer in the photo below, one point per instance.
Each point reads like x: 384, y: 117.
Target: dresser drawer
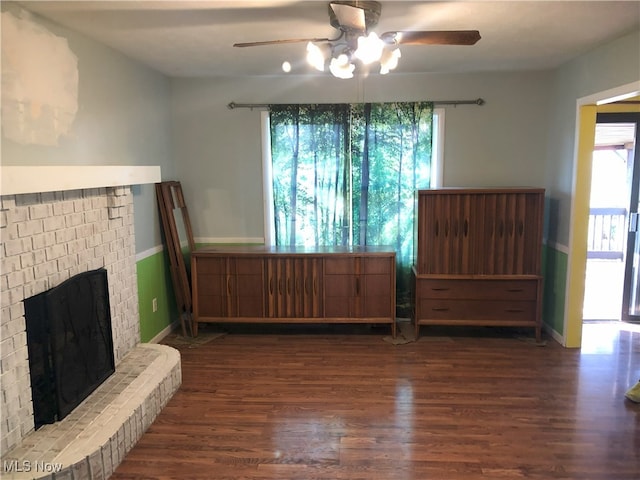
x: 512, y: 290
x: 476, y: 310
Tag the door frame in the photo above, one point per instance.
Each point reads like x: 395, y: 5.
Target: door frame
x: 586, y: 111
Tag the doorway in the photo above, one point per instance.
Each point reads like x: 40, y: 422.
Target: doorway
x: 612, y: 291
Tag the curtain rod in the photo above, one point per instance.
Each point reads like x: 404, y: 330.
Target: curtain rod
x: 477, y: 101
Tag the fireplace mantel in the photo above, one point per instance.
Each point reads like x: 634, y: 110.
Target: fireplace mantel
x: 51, y: 178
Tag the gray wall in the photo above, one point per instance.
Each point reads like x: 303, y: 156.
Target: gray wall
x: 122, y: 119
x: 218, y: 151
x: 609, y: 66
x: 131, y: 115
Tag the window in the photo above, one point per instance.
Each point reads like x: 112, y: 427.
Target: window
x: 347, y: 175
x: 435, y: 177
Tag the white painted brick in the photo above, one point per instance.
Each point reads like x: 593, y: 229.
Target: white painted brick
x: 82, y: 204
x: 99, y: 202
x: 18, y: 215
x: 84, y: 231
x: 74, y: 219
x: 67, y: 262
x: 4, y: 284
x: 22, y: 354
x: 11, y: 296
x: 92, y: 216
x: 32, y: 258
x: 46, y: 269
x: 85, y: 256
x: 95, y: 465
x: 96, y: 263
x: 115, y: 212
x: 16, y: 311
x: 10, y: 232
x: 76, y: 246
x: 15, y: 279
x: 58, y: 277
x: 94, y: 240
x: 29, y: 276
x: 10, y: 264
x: 17, y: 247
x: 120, y: 191
x: 30, y: 228
x: 53, y: 223
x: 55, y: 251
x: 107, y: 464
x: 108, y: 236
x: 4, y: 221
x: 10, y: 439
x: 7, y: 202
x: 20, y: 340
x: 6, y: 345
x: 65, y: 235
x: 63, y: 208
x: 38, y: 286
x: 44, y: 240
x: 40, y: 211
x: 7, y: 363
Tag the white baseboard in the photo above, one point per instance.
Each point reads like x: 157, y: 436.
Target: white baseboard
x: 230, y: 240
x: 555, y: 335
x: 164, y: 332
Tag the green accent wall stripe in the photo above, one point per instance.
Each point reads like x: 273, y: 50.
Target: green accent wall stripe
x: 554, y: 270
x: 154, y: 281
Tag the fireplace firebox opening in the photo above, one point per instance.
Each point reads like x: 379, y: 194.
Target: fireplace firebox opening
x: 70, y: 344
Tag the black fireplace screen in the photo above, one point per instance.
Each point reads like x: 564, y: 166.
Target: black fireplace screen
x: 70, y: 344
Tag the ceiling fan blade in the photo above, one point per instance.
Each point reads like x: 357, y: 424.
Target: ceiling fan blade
x: 444, y: 37
x: 278, y: 42
x: 349, y: 17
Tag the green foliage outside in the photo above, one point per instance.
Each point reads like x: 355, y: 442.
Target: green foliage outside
x: 347, y: 175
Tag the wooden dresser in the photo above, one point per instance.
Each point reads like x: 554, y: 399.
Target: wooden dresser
x: 294, y: 285
x: 478, y: 259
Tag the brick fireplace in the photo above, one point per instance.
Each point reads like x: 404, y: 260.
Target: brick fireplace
x: 46, y: 238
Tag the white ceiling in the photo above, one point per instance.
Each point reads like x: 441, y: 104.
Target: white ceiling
x: 195, y: 38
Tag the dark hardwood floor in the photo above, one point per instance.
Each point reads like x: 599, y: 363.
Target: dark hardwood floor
x: 284, y: 402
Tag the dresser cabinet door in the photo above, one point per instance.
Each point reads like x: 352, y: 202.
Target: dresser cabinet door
x: 340, y: 287
x: 294, y: 287
x: 377, y: 282
x: 511, y: 228
x: 211, y: 292
x: 359, y: 287
x: 245, y: 287
x: 479, y: 233
x: 308, y: 287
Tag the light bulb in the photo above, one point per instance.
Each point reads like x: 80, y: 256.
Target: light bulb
x: 369, y: 48
x: 341, y: 66
x: 389, y: 60
x: 315, y: 56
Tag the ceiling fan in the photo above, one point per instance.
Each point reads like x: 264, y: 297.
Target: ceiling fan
x: 355, y: 19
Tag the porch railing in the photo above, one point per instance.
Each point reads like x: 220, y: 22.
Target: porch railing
x: 607, y: 231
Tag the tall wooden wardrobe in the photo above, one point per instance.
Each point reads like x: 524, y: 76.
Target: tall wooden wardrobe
x: 478, y: 258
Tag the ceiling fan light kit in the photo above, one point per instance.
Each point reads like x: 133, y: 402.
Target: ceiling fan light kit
x: 356, y: 42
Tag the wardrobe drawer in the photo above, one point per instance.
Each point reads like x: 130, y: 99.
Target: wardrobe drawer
x: 481, y: 310
x: 477, y: 289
